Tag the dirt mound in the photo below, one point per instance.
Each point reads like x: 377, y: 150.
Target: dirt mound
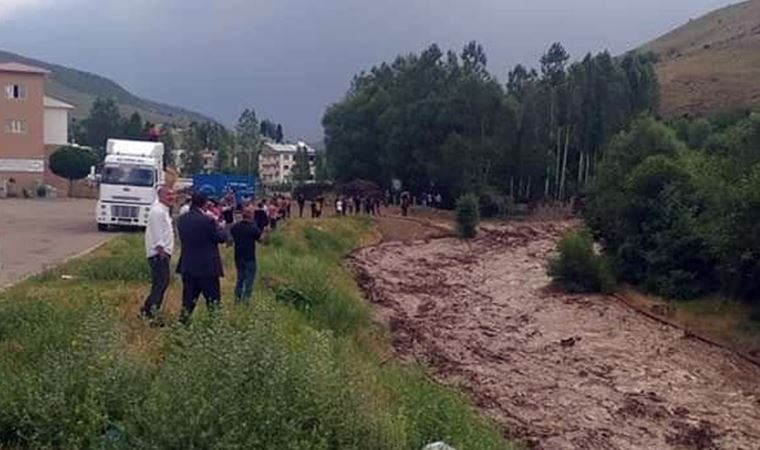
x: 561, y: 371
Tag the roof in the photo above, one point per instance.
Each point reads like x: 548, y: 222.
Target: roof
x: 54, y: 103
x: 286, y: 148
x: 22, y: 68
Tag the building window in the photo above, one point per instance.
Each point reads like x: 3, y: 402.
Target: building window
x: 15, y: 126
x: 286, y: 167
x: 15, y: 91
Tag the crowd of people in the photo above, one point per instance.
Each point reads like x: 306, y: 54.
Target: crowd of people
x: 352, y: 205
x: 203, y: 224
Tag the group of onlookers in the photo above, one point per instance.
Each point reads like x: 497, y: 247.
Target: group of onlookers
x: 357, y: 204
x: 203, y: 224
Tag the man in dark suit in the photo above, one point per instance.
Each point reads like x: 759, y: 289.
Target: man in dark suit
x: 200, y: 263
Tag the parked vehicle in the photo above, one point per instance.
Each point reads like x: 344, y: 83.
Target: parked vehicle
x: 215, y: 186
x: 131, y: 174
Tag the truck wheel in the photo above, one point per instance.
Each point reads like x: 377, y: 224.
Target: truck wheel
x: 102, y: 227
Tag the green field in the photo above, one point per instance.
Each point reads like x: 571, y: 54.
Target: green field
x: 303, y: 368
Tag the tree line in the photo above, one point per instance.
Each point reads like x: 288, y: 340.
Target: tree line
x: 237, y: 151
x: 105, y: 121
x: 443, y: 122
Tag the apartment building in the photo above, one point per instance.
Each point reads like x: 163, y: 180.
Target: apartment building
x: 277, y: 160
x: 32, y: 125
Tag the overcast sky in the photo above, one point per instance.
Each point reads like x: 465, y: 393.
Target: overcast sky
x: 289, y: 59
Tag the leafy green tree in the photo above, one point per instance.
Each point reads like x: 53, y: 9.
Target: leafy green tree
x: 321, y: 168
x: 301, y: 169
x: 72, y: 163
x: 268, y: 129
x: 577, y: 268
x: 279, y: 136
x: 166, y: 136
x: 440, y: 121
x: 104, y: 122
x: 203, y: 137
x: 248, y: 142
x: 133, y: 127
x: 642, y: 83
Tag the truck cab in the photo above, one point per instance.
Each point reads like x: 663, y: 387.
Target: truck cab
x: 131, y: 175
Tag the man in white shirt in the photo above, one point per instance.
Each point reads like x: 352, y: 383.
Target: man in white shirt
x: 159, y: 245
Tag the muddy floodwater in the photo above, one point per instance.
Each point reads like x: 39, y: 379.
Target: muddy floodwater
x: 558, y: 371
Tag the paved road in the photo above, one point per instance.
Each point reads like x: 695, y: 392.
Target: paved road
x: 37, y: 234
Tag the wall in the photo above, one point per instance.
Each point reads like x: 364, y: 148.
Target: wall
x: 56, y: 126
x: 28, y: 146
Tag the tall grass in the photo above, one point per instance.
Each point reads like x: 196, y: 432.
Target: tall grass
x: 298, y: 369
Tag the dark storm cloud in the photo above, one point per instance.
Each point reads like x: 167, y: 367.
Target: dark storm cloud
x: 291, y: 58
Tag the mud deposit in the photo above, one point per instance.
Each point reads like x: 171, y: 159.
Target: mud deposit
x: 559, y: 371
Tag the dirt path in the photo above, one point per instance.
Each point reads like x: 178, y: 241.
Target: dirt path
x: 561, y: 371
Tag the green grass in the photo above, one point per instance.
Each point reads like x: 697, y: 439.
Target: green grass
x: 303, y: 367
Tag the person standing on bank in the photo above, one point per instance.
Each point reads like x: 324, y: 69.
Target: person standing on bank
x: 159, y: 245
x: 200, y: 263
x: 245, y: 233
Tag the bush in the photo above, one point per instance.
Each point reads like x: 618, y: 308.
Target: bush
x: 72, y: 163
x: 256, y: 385
x: 577, y: 268
x: 468, y: 216
x: 494, y: 204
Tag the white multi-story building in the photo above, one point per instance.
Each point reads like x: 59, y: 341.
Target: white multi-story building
x: 276, y: 161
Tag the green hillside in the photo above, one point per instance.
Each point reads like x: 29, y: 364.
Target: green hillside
x: 712, y: 63
x: 81, y: 88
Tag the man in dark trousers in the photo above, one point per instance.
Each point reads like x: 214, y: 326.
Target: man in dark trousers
x: 159, y: 245
x: 200, y: 263
x: 301, y: 202
x: 245, y: 234
x: 261, y: 216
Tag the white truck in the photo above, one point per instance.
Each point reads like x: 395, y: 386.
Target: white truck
x: 131, y: 174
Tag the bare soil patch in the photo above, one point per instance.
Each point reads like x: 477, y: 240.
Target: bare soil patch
x: 560, y: 371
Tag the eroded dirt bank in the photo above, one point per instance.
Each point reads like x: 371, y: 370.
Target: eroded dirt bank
x: 561, y: 371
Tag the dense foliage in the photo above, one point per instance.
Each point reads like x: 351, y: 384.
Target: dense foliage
x: 72, y: 163
x: 678, y: 208
x: 577, y: 268
x: 106, y: 122
x: 234, y: 151
x: 442, y: 122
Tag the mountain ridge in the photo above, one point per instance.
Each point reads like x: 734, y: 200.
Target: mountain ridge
x: 80, y: 88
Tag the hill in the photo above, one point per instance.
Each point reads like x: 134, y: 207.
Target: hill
x: 712, y: 63
x: 81, y: 88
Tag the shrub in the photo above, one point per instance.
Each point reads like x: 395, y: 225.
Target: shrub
x: 468, y: 216
x: 257, y: 385
x: 72, y: 163
x: 494, y: 204
x: 577, y: 268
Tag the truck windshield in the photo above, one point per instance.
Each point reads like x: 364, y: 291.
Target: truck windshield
x: 128, y: 175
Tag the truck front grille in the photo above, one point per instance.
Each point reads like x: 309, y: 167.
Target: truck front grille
x: 125, y: 212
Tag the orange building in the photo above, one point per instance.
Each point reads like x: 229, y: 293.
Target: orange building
x: 24, y: 134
